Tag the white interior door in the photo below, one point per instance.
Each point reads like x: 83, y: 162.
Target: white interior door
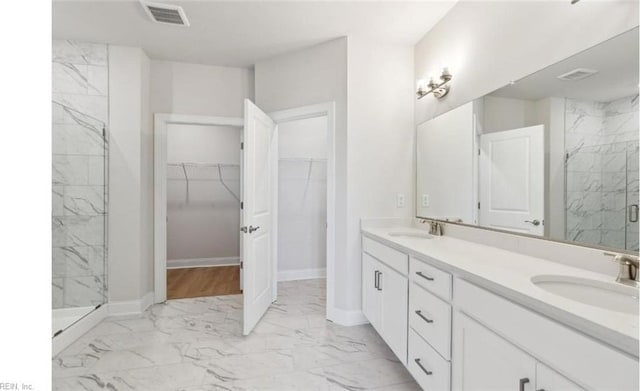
x: 512, y: 180
x: 259, y: 215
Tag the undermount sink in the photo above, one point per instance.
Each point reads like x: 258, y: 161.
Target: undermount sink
x: 612, y: 296
x: 410, y: 234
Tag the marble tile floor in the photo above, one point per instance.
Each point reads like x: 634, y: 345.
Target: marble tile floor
x: 197, y: 344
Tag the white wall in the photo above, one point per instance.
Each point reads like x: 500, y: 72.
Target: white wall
x: 446, y: 157
x: 303, y: 138
x: 184, y: 88
x: 130, y: 188
x: 374, y: 135
x: 381, y: 136
x: 207, y: 223
x: 302, y: 197
x: 310, y: 76
x: 550, y: 113
x: 508, y: 113
x: 487, y: 44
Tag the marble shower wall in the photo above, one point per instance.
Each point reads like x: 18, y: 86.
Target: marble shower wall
x: 80, y: 116
x: 601, y: 141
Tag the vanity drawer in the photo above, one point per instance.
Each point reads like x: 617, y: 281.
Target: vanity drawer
x: 392, y: 257
x: 430, y: 317
x: 431, y: 371
x: 431, y: 278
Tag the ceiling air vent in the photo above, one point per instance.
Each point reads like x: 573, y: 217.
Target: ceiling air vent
x: 166, y: 13
x: 577, y: 74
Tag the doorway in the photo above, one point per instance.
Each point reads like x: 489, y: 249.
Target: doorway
x: 313, y: 172
x: 203, y: 210
x: 189, y: 162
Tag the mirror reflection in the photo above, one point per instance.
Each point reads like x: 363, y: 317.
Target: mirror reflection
x: 554, y: 154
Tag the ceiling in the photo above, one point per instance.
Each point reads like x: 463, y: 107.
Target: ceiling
x: 240, y: 33
x: 616, y: 61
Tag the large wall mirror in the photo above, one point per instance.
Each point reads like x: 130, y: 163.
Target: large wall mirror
x: 554, y: 154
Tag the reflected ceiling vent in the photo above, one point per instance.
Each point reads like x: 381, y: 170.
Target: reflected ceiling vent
x: 165, y: 13
x: 578, y: 74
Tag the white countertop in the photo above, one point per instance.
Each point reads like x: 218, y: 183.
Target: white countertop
x: 509, y: 274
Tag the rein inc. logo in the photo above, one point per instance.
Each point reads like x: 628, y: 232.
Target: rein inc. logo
x: 15, y: 386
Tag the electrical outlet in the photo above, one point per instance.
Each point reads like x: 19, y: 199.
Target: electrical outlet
x: 400, y: 200
x: 425, y: 200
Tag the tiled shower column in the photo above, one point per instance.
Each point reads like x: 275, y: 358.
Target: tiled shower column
x: 80, y: 116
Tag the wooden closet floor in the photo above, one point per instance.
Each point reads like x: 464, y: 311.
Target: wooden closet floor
x: 203, y: 281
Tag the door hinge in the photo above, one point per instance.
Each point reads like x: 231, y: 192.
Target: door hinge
x: 478, y: 205
x: 242, y: 146
x: 241, y: 205
x: 478, y: 152
x: 241, y: 264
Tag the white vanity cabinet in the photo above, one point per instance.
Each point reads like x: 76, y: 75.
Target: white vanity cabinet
x: 454, y: 334
x: 489, y: 362
x: 487, y: 344
x: 385, y: 294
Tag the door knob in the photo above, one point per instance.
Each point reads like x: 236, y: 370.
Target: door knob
x: 252, y: 228
x: 243, y: 229
x: 534, y: 222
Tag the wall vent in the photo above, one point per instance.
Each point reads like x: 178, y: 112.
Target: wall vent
x: 577, y: 74
x: 165, y: 13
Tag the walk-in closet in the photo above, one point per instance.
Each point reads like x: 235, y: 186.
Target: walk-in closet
x: 203, y: 210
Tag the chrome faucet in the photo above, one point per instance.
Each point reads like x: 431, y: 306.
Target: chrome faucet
x: 628, y: 273
x: 435, y: 227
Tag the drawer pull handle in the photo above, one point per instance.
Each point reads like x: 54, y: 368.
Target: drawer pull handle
x: 424, y: 276
x: 417, y: 360
x: 523, y: 381
x: 375, y: 279
x: 419, y: 313
x: 541, y: 389
x: 379, y: 279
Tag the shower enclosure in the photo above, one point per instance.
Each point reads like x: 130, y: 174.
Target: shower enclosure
x: 79, y: 180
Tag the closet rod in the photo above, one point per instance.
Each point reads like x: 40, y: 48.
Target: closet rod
x: 203, y: 165
x: 301, y: 159
x: 208, y: 165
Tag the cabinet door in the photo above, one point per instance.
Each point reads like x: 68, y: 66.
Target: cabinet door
x: 393, y: 309
x: 549, y: 380
x: 484, y: 361
x: 370, y: 294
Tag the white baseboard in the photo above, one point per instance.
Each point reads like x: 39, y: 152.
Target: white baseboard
x: 130, y: 307
x: 347, y: 318
x: 78, y: 329
x: 202, y: 262
x: 301, y: 274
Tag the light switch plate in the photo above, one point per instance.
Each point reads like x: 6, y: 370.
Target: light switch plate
x: 425, y: 200
x: 400, y: 200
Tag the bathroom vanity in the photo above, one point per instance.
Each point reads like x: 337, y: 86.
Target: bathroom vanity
x: 465, y: 316
x: 535, y: 183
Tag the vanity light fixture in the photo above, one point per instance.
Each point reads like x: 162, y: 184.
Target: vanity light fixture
x: 439, y: 90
